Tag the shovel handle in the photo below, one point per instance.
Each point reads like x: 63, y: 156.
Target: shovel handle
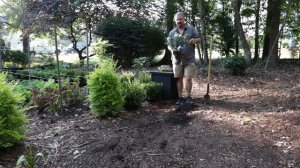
x: 210, y: 53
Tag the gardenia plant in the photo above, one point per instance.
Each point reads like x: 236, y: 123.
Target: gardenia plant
x: 177, y: 42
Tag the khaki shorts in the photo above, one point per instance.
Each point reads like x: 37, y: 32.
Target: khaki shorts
x: 184, y: 70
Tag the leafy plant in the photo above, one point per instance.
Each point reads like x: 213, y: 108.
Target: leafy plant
x: 144, y: 77
x: 141, y: 62
x: 30, y: 160
x: 23, y: 91
x: 12, y: 117
x: 236, y: 65
x: 45, y: 94
x: 127, y: 77
x: 135, y: 95
x: 18, y: 57
x: 153, y: 91
x: 105, y: 90
x: 177, y: 41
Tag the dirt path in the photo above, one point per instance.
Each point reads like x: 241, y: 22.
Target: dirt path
x: 252, y: 121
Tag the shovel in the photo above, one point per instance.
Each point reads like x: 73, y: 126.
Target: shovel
x: 207, y: 97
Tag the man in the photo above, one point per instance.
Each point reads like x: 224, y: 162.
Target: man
x: 181, y: 42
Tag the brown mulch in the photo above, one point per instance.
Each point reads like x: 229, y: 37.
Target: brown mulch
x: 251, y: 121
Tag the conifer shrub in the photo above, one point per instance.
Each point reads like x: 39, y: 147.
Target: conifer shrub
x: 153, y: 91
x: 12, y: 117
x: 127, y: 77
x: 105, y: 90
x: 135, y: 95
x: 235, y: 65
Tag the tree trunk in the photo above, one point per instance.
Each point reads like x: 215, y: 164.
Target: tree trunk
x: 275, y: 10
x: 256, y: 52
x: 203, y: 33
x: 237, y: 18
x: 25, y: 41
x: 170, y: 11
x: 237, y: 45
x: 267, y: 32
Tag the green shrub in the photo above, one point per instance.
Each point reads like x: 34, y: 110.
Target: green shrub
x: 18, y: 57
x: 141, y: 62
x: 135, y: 95
x: 45, y: 94
x: 23, y: 91
x: 153, y: 91
x: 127, y: 77
x: 105, y: 90
x: 12, y: 117
x: 235, y: 65
x: 144, y: 77
x: 100, y: 48
x: 131, y: 39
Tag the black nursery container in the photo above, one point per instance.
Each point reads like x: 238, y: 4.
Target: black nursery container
x: 169, y: 88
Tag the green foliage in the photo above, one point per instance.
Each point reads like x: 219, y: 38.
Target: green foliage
x: 105, y: 90
x: 45, y: 94
x: 100, y: 48
x: 153, y: 90
x: 127, y: 77
x: 29, y: 160
x: 12, y: 118
x: 135, y: 95
x: 23, y: 91
x: 141, y: 62
x: 225, y: 28
x: 18, y: 57
x: 131, y: 39
x: 144, y: 77
x: 236, y: 65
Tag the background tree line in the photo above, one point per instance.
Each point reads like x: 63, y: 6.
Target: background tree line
x: 254, y: 27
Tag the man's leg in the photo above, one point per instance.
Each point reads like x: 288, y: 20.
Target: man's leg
x: 180, y: 86
x: 188, y: 85
x: 178, y: 74
x: 189, y: 72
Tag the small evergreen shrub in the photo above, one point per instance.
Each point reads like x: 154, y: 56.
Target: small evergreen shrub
x: 127, y: 77
x: 235, y: 65
x: 144, y: 77
x: 12, y: 117
x: 135, y: 95
x: 105, y: 90
x: 153, y: 91
x: 141, y: 62
x: 18, y: 57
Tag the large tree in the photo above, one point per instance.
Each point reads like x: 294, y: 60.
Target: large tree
x: 74, y: 18
x: 237, y: 19
x: 19, y: 18
x: 270, y: 49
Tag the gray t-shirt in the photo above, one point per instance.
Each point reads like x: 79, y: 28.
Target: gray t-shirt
x: 187, y: 49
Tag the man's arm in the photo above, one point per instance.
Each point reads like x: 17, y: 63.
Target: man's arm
x: 195, y: 41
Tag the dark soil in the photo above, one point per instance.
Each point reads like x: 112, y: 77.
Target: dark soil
x: 251, y: 121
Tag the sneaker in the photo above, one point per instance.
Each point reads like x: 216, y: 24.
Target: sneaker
x: 189, y: 100
x: 179, y: 101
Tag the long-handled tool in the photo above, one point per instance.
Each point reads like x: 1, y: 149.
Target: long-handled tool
x: 207, y: 97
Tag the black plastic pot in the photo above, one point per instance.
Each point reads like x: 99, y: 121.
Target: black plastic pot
x: 169, y: 88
